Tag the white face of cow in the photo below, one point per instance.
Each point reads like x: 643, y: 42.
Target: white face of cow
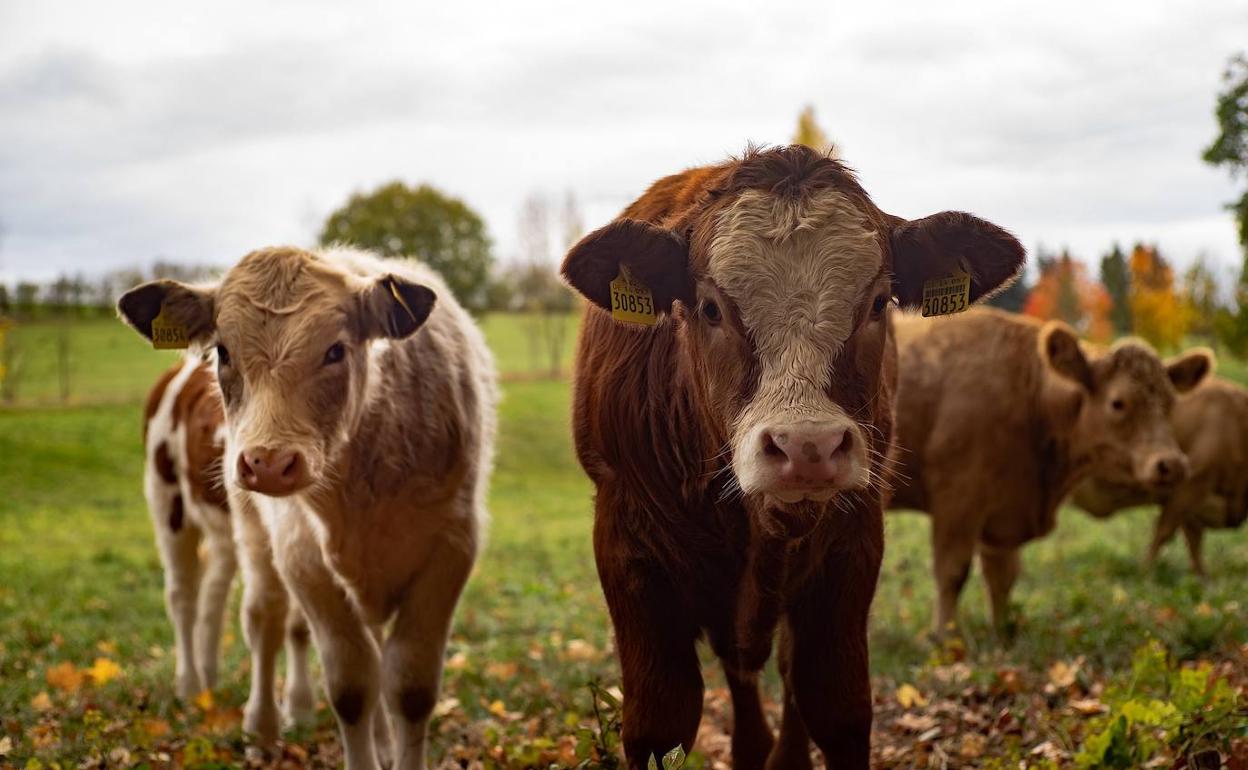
x: 292, y: 336
x: 800, y: 278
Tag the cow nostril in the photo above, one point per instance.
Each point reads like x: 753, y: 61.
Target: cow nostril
x: 291, y: 467
x: 770, y: 448
x: 845, y: 444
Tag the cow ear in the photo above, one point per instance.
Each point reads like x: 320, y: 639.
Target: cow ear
x: 1059, y: 347
x: 1190, y: 369
x: 654, y: 256
x: 948, y: 243
x: 395, y: 307
x: 189, y: 308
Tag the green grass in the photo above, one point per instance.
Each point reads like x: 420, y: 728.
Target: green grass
x: 80, y: 579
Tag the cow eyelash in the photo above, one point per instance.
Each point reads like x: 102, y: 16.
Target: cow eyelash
x: 711, y: 312
x: 223, y: 355
x: 335, y: 354
x: 881, y: 302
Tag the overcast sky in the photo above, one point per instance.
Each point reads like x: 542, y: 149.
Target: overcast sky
x: 136, y: 130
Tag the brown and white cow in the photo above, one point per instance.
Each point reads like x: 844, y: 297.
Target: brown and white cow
x: 184, y: 438
x: 1211, y: 425
x: 737, y: 444
x: 999, y: 416
x: 359, y: 418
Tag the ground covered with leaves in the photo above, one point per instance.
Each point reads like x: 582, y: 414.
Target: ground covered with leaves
x: 1112, y: 666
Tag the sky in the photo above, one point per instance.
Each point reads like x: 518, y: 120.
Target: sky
x: 131, y: 131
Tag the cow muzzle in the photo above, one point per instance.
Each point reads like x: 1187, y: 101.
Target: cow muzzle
x: 806, y: 460
x: 1164, y: 470
x: 273, y: 472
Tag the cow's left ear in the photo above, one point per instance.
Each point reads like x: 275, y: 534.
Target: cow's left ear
x: 948, y: 243
x: 1190, y: 369
x: 187, y: 308
x: 395, y: 307
x: 654, y: 256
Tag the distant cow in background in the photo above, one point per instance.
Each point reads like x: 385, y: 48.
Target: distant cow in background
x: 999, y: 416
x: 359, y: 403
x: 737, y: 438
x: 184, y: 438
x: 1211, y: 425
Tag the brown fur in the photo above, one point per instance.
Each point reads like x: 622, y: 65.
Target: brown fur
x: 1211, y: 425
x: 681, y: 553
x: 998, y: 417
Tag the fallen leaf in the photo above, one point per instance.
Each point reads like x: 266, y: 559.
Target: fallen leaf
x: 973, y: 745
x: 909, y: 696
x: 65, y: 676
x: 41, y: 702
x: 581, y: 650
x: 457, y: 662
x: 106, y: 646
x: 915, y: 723
x: 6, y: 745
x: 498, y: 709
x: 204, y: 701
x: 1062, y: 674
x: 445, y: 706
x: 104, y: 671
x: 155, y: 728
x: 1089, y: 706
x: 497, y: 670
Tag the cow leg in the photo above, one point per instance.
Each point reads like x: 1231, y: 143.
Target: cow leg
x: 298, y: 703
x: 213, y: 596
x: 1168, y: 523
x: 415, y: 650
x: 179, y: 550
x: 828, y: 676
x: 952, y: 551
x: 792, y: 751
x: 751, y: 737
x: 265, y: 604
x: 662, y: 678
x: 1001, y: 568
x: 1194, y: 535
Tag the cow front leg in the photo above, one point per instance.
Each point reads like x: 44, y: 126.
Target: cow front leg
x: 1001, y: 568
x: 179, y: 551
x: 214, y: 594
x: 1194, y: 535
x: 953, y: 548
x: 265, y: 603
x: 415, y: 649
x: 792, y: 750
x: 298, y: 702
x: 1168, y: 523
x: 751, y: 737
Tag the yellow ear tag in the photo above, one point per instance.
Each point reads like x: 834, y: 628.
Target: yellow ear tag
x: 168, y: 334
x: 631, y: 301
x: 951, y: 294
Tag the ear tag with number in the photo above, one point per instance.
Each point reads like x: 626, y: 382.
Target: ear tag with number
x: 631, y: 301
x: 951, y: 294
x: 168, y: 334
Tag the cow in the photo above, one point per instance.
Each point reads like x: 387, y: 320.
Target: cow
x: 999, y: 416
x: 359, y: 402
x: 184, y: 439
x: 1211, y: 425
x: 736, y: 436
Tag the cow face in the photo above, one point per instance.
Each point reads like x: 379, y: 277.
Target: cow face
x: 291, y: 336
x: 1126, y: 397
x: 778, y: 287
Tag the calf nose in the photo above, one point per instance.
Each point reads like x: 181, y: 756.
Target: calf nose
x: 273, y: 472
x: 1169, y: 469
x: 806, y: 454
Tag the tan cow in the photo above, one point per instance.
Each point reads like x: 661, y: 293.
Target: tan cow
x: 359, y: 412
x: 184, y: 438
x: 1211, y: 425
x: 999, y: 416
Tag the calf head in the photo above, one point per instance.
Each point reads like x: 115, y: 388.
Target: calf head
x: 291, y: 335
x: 1125, y: 398
x: 779, y: 282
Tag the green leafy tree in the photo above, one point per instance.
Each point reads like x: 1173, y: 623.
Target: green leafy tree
x: 1116, y: 278
x: 400, y: 221
x: 1230, y: 151
x: 810, y: 134
x: 1200, y: 294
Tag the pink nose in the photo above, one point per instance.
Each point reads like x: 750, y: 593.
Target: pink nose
x: 272, y: 471
x: 806, y: 454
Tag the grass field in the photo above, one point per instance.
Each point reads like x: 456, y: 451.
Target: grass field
x: 80, y: 590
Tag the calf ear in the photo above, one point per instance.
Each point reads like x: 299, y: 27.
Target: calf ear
x: 1059, y: 347
x: 1190, y: 369
x: 951, y: 242
x: 654, y: 256
x: 188, y: 307
x: 395, y: 307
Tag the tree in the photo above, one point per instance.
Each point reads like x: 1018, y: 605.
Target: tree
x: 1200, y: 296
x: 536, y: 287
x: 25, y: 296
x: 1230, y: 148
x: 1159, y: 314
x: 810, y: 134
x: 443, y: 232
x: 1116, y: 278
x: 1063, y: 291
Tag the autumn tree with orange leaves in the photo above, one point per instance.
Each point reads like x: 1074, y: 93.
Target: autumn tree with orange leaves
x: 1064, y: 291
x: 1160, y: 315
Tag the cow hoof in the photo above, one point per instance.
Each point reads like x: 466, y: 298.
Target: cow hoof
x: 299, y: 708
x: 261, y: 722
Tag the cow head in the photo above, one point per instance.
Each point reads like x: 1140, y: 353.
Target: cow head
x: 1125, y: 396
x: 291, y: 335
x: 779, y: 283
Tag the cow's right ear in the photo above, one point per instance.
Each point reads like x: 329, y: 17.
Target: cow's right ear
x: 187, y: 307
x: 945, y: 244
x: 654, y: 256
x: 1188, y: 370
x: 1060, y: 349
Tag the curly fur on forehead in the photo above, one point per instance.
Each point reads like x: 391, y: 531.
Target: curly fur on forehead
x: 1136, y: 360
x: 284, y: 279
x: 794, y: 172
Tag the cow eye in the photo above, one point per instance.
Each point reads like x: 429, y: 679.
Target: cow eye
x: 877, y: 307
x: 335, y: 353
x: 223, y: 355
x: 711, y: 311
x: 1117, y: 404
